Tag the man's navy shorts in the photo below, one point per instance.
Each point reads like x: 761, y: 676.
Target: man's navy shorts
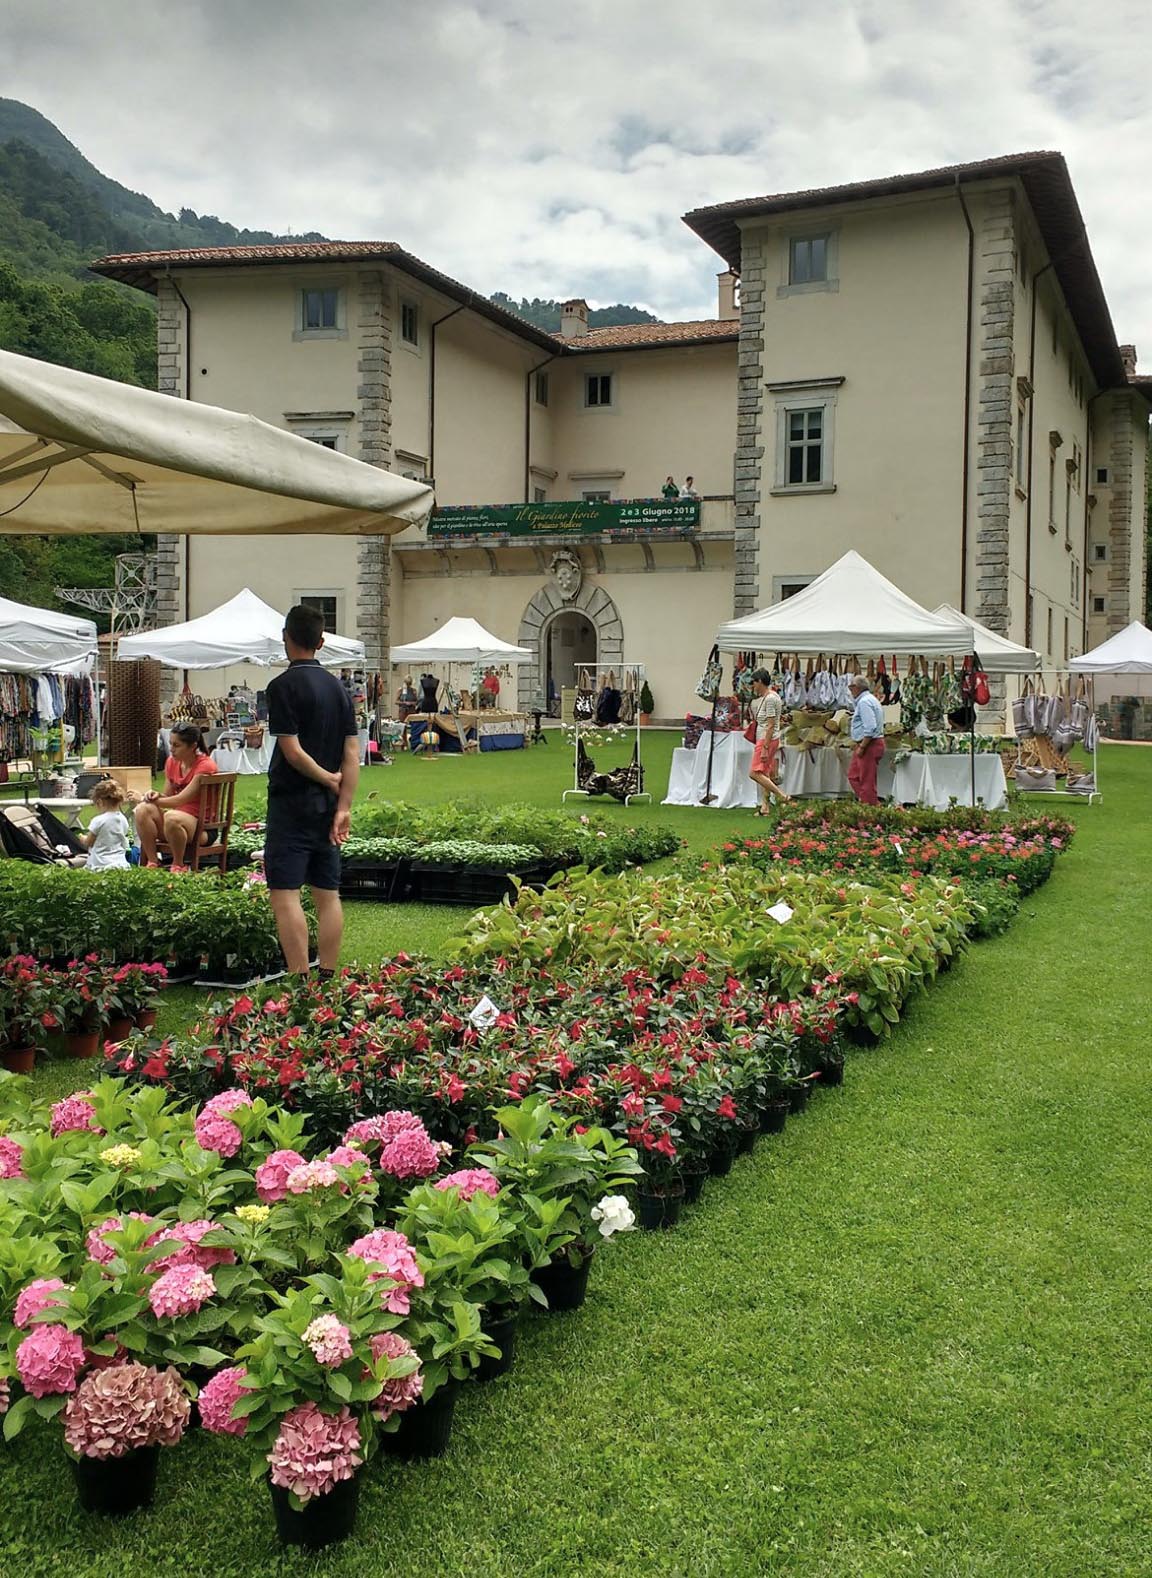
x: 300, y: 854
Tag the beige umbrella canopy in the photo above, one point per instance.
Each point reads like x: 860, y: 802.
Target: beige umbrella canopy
x: 86, y: 454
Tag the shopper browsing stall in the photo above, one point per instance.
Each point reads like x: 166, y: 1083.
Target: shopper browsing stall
x: 766, y: 709
x: 867, y: 730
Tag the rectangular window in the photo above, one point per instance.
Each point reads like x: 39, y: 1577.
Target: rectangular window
x: 1077, y: 465
x: 790, y: 588
x: 541, y: 388
x: 326, y: 440
x: 1068, y: 507
x: 805, y: 440
x: 1101, y: 476
x: 410, y: 323
x: 1020, y: 447
x: 324, y: 603
x: 1097, y: 605
x: 596, y: 496
x: 1100, y: 552
x: 320, y: 309
x: 1075, y: 583
x: 808, y: 260
x: 598, y: 389
x: 410, y: 465
x: 1048, y: 643
x: 1065, y: 638
x: 1030, y: 623
x: 539, y: 495
x: 1051, y: 492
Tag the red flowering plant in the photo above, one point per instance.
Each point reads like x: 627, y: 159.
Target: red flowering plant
x: 27, y: 1008
x: 137, y: 987
x: 84, y: 994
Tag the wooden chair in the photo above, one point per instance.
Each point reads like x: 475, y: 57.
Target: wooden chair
x: 213, y: 813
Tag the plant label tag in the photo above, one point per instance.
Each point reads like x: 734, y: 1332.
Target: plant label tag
x: 780, y: 913
x: 899, y: 848
x: 485, y: 1014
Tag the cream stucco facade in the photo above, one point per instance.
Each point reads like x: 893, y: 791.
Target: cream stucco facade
x: 914, y: 369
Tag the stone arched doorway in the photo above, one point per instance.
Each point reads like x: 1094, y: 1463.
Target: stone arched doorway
x: 543, y: 614
x: 568, y: 639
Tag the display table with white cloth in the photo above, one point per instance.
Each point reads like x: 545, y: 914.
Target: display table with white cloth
x: 938, y: 781
x: 245, y: 759
x: 934, y: 781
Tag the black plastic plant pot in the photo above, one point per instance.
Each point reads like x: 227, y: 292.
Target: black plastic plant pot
x: 322, y: 1521
x: 694, y: 1185
x: 564, y: 1286
x: 503, y: 1334
x: 773, y: 1116
x: 656, y: 1211
x: 798, y: 1098
x: 720, y: 1161
x: 748, y: 1137
x: 115, y: 1486
x: 425, y: 1428
x: 832, y: 1072
x: 861, y: 1035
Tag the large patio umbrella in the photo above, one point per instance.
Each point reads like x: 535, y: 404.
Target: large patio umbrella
x: 245, y: 629
x: 86, y: 454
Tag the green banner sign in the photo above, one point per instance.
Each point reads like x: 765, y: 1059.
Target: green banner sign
x: 578, y: 518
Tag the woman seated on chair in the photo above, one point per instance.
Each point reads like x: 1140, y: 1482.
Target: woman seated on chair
x: 172, y: 816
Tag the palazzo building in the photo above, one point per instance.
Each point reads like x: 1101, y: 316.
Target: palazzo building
x: 922, y: 368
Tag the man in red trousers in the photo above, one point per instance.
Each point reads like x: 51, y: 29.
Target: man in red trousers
x: 867, y: 730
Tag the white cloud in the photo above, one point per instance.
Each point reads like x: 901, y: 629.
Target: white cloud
x: 550, y: 150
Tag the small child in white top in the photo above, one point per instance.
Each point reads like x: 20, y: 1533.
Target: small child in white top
x: 107, y: 835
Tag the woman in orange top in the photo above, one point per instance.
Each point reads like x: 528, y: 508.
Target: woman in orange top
x: 169, y: 816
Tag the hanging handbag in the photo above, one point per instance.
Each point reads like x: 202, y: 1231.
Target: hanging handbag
x: 1022, y: 712
x: 712, y: 677
x: 750, y: 732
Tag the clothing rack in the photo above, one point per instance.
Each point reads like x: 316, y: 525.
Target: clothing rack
x: 1059, y: 675
x: 636, y: 673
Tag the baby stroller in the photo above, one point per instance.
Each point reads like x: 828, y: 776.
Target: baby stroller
x: 29, y: 832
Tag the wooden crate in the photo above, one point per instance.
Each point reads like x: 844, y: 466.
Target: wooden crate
x: 137, y: 780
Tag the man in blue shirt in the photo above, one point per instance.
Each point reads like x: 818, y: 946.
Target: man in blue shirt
x: 867, y: 730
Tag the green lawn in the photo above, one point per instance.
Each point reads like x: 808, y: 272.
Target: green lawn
x: 908, y: 1337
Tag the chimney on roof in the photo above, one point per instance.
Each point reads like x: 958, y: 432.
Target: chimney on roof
x: 1128, y: 357
x: 728, y: 310
x: 573, y: 319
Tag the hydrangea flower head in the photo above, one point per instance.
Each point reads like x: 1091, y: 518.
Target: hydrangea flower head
x: 400, y: 1391
x: 123, y: 1407
x: 120, y: 1155
x: 314, y: 1451
x: 73, y: 1113
x: 37, y: 1296
x: 11, y: 1155
x: 181, y: 1291
x: 330, y: 1340
x: 410, y: 1155
x: 272, y: 1175
x: 393, y: 1253
x: 470, y: 1181
x: 217, y: 1134
x: 97, y: 1246
x: 613, y: 1214
x: 313, y: 1175
x: 49, y: 1360
x: 190, y: 1251
x: 254, y: 1215
x: 218, y: 1396
x: 383, y: 1128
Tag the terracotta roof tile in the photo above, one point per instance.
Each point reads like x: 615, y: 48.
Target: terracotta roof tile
x: 628, y: 336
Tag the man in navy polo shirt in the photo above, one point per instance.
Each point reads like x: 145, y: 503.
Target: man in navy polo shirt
x: 311, y: 785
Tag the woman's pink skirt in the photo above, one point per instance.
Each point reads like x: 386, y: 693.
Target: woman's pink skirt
x: 764, y: 757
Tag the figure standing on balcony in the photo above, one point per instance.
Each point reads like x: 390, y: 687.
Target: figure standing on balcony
x: 670, y: 490
x: 688, y: 491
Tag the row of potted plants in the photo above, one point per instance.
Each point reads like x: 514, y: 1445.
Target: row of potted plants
x: 76, y: 1005
x: 223, y: 929
x: 321, y: 1304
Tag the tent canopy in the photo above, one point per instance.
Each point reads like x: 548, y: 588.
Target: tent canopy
x: 997, y: 653
x: 39, y: 641
x: 86, y: 454
x: 461, y: 641
x: 242, y: 630
x: 1129, y: 652
x: 851, y: 609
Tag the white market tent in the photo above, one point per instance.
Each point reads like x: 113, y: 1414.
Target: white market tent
x: 40, y: 641
x: 85, y: 454
x: 245, y: 629
x: 461, y: 641
x: 853, y: 610
x: 997, y: 653
x: 1129, y: 652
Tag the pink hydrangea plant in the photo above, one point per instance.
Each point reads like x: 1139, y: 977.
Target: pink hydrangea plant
x: 5, y: 1395
x: 400, y: 1391
x: 382, y: 1128
x: 124, y: 1407
x: 11, y: 1156
x: 314, y: 1451
x: 313, y: 1175
x: 393, y: 1253
x: 349, y: 1156
x: 470, y: 1181
x: 37, y: 1296
x: 217, y: 1134
x: 218, y: 1396
x: 181, y: 1291
x: 191, y: 1252
x: 74, y: 1112
x: 49, y: 1360
x: 330, y: 1340
x: 272, y: 1175
x: 410, y: 1155
x: 95, y: 1243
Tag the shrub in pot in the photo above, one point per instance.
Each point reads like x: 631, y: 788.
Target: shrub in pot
x: 26, y: 1013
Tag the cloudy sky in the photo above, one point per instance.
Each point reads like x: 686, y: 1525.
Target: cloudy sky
x: 549, y: 149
